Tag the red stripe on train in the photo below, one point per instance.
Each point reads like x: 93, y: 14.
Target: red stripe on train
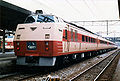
x: 54, y: 48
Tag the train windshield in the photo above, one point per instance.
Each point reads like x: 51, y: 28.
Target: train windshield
x: 30, y: 19
x: 45, y: 18
x: 9, y: 37
x: 40, y: 18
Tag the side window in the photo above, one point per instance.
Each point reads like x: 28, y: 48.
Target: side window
x: 100, y: 41
x: 71, y: 34
x: 86, y: 39
x: 66, y: 34
x: 93, y: 40
x: 76, y: 39
x: 60, y: 20
x: 89, y: 39
x: 57, y: 19
x: 83, y: 38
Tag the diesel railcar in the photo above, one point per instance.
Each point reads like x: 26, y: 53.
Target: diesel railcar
x: 45, y: 40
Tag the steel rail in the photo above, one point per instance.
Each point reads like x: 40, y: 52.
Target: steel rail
x: 72, y: 79
x: 97, y: 77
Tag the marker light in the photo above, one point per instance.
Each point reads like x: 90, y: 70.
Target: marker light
x: 46, y: 46
x: 18, y: 48
x: 46, y: 43
x: 18, y: 43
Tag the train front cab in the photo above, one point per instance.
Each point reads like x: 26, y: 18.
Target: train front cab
x: 38, y: 43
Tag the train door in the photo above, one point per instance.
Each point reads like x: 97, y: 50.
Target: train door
x: 66, y: 37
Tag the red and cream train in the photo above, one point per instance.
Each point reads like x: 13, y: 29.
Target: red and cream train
x: 45, y: 40
x: 8, y: 43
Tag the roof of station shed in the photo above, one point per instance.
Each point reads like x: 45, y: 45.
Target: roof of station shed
x: 11, y: 15
x: 119, y: 7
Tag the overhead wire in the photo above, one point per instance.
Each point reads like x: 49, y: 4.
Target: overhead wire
x: 73, y: 7
x: 48, y: 7
x: 98, y: 23
x: 89, y: 7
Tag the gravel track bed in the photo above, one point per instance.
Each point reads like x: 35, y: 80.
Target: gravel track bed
x: 75, y: 68
x: 91, y: 74
x: 107, y: 75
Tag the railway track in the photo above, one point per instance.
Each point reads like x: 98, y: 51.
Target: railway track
x: 95, y: 71
x: 66, y: 73
x: 64, y: 76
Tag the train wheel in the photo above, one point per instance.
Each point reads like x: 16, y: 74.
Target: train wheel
x: 66, y: 60
x: 100, y: 51
x: 94, y: 53
x: 59, y: 62
x: 82, y: 55
x: 74, y: 56
x: 90, y: 54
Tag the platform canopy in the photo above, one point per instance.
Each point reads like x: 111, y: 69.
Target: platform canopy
x: 11, y: 15
x: 119, y: 7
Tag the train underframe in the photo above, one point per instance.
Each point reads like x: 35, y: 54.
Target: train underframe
x: 59, y: 60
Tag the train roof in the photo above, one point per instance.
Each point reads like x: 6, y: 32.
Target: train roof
x: 80, y: 27
x: 102, y: 38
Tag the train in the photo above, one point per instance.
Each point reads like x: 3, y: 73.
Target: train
x: 8, y: 43
x: 48, y: 40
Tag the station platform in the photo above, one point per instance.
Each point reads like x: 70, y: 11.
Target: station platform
x: 7, y: 56
x: 7, y: 62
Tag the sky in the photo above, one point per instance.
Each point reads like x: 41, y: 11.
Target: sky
x: 78, y: 10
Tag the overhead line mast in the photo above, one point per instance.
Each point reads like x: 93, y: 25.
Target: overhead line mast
x: 107, y: 22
